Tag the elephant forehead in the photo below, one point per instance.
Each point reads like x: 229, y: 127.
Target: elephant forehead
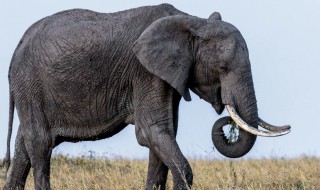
x: 217, y: 28
x: 225, y: 49
x: 219, y: 50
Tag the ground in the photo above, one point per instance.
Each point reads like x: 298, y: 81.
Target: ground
x: 264, y: 174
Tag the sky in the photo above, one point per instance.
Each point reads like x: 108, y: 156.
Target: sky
x: 283, y: 38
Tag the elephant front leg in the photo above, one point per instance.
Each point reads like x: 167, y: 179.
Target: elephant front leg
x: 156, y: 120
x: 157, y: 173
x: 159, y: 137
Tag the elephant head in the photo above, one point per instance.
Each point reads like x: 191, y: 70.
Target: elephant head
x: 210, y: 57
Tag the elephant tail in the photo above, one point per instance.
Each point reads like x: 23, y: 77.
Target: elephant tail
x: 6, y: 160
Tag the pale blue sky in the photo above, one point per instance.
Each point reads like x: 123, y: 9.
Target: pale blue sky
x: 283, y: 38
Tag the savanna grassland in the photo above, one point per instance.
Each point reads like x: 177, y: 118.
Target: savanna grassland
x: 269, y: 174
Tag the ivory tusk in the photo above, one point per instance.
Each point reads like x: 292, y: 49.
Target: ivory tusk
x: 242, y: 124
x: 272, y: 127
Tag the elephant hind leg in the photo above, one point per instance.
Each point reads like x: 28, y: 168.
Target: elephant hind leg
x: 20, y: 165
x: 40, y: 148
x: 39, y: 143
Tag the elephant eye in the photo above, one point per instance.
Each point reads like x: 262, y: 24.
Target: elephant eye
x: 223, y: 68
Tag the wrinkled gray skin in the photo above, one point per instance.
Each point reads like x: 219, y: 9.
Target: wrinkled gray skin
x: 81, y: 75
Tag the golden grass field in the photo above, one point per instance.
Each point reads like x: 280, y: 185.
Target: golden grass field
x: 269, y: 174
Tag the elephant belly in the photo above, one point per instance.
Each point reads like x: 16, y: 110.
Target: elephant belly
x: 80, y: 106
x: 75, y: 133
x: 86, y: 111
x: 86, y: 119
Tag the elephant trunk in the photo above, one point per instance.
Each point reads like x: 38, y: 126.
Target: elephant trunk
x: 239, y: 98
x: 237, y: 93
x: 246, y: 105
x: 245, y: 102
x: 241, y: 104
x: 245, y: 112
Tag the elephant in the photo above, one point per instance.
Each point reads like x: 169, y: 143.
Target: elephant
x: 82, y: 75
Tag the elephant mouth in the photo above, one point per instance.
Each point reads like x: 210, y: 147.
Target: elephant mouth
x: 273, y: 131
x: 214, y: 98
x: 218, y: 107
x: 217, y: 103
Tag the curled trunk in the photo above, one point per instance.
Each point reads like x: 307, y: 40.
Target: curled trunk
x: 241, y: 96
x: 243, y: 126
x: 231, y: 148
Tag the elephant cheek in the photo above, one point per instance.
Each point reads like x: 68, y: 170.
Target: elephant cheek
x: 227, y: 97
x: 211, y: 95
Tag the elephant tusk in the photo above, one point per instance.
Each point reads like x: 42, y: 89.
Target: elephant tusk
x: 242, y: 124
x: 272, y: 127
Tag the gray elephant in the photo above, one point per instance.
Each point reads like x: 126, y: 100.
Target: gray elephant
x: 81, y: 75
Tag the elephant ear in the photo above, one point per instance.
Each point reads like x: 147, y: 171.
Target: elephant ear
x: 214, y: 16
x: 165, y: 49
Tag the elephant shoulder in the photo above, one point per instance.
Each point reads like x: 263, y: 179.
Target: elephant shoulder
x: 170, y: 9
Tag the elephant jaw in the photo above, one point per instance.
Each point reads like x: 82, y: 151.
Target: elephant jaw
x: 274, y: 131
x: 215, y: 99
x: 219, y: 107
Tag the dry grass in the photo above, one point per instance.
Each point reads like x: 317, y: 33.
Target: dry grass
x: 277, y: 174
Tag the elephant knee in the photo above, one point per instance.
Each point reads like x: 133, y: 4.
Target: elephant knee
x: 142, y: 137
x: 141, y: 141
